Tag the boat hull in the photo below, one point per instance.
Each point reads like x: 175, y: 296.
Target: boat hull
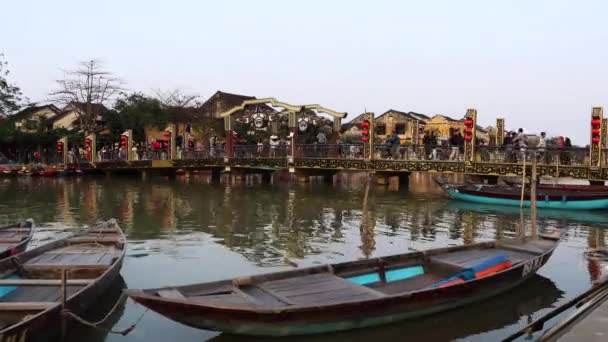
x: 347, y: 316
x: 592, y: 204
x: 47, y: 325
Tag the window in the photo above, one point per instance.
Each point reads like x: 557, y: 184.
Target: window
x: 381, y: 130
x: 400, y: 128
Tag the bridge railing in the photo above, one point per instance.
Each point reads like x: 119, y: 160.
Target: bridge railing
x: 574, y: 156
x: 418, y: 152
x: 330, y: 151
x: 211, y: 152
x: 260, y: 151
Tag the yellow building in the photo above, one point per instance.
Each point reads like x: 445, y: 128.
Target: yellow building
x: 30, y: 118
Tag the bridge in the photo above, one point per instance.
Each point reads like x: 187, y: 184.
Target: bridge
x: 307, y: 160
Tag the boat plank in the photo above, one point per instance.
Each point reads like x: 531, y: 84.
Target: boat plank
x: 25, y: 306
x: 38, y: 294
x: 412, y: 284
x: 468, y: 258
x: 43, y: 282
x: 170, y: 294
x: 319, y: 288
x: 263, y: 297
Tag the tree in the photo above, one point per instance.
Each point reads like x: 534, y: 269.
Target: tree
x: 10, y: 95
x: 176, y: 98
x: 136, y: 111
x: 89, y: 85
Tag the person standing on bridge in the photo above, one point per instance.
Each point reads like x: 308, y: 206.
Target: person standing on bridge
x: 454, y: 146
x: 521, y: 142
x: 542, y: 148
x: 394, y: 141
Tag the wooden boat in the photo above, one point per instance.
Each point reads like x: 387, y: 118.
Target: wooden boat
x: 568, y: 187
x: 15, y: 238
x: 508, y: 195
x: 594, y: 216
x: 45, y: 173
x: 352, y: 295
x: 6, y: 172
x: 33, y: 284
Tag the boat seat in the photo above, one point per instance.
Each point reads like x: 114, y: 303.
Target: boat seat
x: 170, y: 294
x: 317, y: 289
x: 25, y: 306
x: 44, y: 282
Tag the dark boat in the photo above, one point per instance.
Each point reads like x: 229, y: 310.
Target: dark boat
x: 355, y: 294
x: 15, y: 238
x: 32, y: 285
x: 553, y: 198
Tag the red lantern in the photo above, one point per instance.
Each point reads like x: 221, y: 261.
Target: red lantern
x: 468, y: 122
x: 595, y: 131
x: 468, y: 137
x: 166, y: 134
x: 88, y: 141
x: 468, y: 130
x: 595, y: 140
x: 59, y: 146
x: 596, y: 123
x: 365, y: 132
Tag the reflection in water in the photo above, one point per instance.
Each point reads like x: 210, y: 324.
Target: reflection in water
x: 103, y: 308
x: 188, y: 230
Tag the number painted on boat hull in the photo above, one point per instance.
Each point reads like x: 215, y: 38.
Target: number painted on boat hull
x: 531, y: 266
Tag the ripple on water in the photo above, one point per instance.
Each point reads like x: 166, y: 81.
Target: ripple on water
x: 186, y: 231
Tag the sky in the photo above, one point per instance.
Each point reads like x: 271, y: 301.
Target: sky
x: 539, y: 64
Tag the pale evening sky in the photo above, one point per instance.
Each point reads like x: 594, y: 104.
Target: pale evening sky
x: 539, y: 64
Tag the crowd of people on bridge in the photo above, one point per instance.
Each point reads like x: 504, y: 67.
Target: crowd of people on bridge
x: 516, y: 145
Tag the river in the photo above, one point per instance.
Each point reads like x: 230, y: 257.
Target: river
x: 189, y: 230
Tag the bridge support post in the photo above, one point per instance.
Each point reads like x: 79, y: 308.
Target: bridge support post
x: 596, y: 182
x: 144, y: 174
x: 62, y: 150
x: 266, y: 177
x: 490, y: 179
x: 470, y: 122
x: 216, y: 175
x: 126, y: 141
x: 597, y: 143
x: 394, y: 180
x: 228, y: 147
x: 328, y: 178
x: 292, y: 123
x: 90, y: 143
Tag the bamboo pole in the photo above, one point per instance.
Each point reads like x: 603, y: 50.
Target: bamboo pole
x: 533, y: 198
x: 64, y: 279
x: 523, y: 183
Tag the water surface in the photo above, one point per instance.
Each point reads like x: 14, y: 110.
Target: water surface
x: 188, y: 230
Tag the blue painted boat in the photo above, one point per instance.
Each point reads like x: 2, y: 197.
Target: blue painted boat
x: 551, y: 198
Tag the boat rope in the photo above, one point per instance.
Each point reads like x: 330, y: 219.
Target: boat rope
x: 98, y: 325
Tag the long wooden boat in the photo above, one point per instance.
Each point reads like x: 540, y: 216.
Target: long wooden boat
x: 15, y: 238
x: 355, y: 294
x: 32, y: 284
x: 568, y: 187
x: 545, y: 197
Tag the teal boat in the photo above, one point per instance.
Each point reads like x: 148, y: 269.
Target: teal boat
x: 550, y: 198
